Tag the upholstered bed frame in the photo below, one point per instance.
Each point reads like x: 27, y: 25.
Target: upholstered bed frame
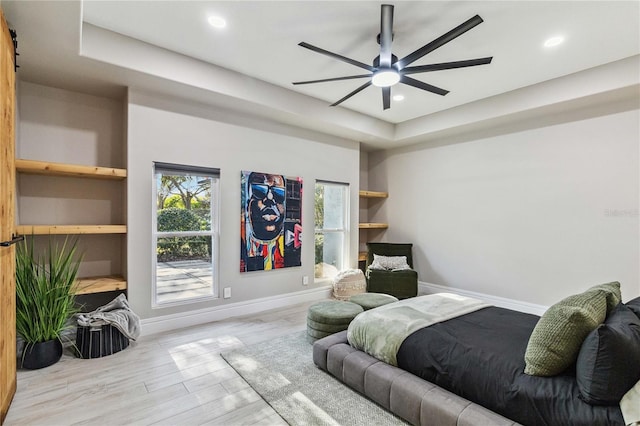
x: 410, y: 397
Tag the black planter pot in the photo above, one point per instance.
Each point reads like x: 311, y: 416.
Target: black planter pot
x: 41, y: 354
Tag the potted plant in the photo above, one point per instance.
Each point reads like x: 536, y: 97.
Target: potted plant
x: 45, y: 289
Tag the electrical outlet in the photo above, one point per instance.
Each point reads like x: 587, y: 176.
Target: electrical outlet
x: 305, y: 280
x: 227, y: 292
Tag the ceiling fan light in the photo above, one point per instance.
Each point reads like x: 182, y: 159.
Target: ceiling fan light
x: 385, y: 78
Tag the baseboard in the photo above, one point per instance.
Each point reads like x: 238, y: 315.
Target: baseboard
x: 202, y: 316
x: 217, y: 313
x: 516, y: 305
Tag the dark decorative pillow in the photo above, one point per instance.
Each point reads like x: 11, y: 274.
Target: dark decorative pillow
x: 634, y: 305
x: 609, y: 360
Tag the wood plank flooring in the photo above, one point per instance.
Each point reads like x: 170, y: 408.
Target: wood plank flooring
x: 173, y: 378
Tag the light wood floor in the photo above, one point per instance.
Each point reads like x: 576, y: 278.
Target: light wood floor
x: 174, y: 378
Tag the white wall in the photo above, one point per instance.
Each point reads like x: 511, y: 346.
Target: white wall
x: 69, y: 127
x: 168, y: 130
x: 533, y: 215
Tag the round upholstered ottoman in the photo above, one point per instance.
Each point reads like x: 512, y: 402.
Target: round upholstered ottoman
x: 348, y: 283
x: 372, y: 300
x: 330, y: 316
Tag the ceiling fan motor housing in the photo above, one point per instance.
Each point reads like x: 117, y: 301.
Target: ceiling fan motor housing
x: 376, y: 60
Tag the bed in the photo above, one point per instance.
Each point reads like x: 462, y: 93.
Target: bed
x: 461, y: 369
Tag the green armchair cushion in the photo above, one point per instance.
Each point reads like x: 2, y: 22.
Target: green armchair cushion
x: 401, y: 284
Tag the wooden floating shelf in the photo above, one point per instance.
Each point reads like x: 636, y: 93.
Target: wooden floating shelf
x: 373, y: 194
x: 75, y: 170
x: 373, y: 225
x: 70, y: 229
x: 92, y: 285
x: 362, y: 256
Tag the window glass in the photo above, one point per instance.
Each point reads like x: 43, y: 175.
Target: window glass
x: 334, y: 206
x: 330, y: 228
x: 185, y: 234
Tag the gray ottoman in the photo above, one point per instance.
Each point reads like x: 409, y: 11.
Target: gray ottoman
x: 372, y: 300
x: 329, y: 317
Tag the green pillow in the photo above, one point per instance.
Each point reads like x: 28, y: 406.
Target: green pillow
x: 556, y: 339
x: 612, y: 291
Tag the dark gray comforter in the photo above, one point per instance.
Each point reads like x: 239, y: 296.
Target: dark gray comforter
x: 480, y: 356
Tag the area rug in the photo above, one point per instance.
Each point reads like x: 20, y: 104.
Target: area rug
x: 283, y: 373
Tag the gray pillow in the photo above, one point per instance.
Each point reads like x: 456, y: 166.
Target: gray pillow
x: 389, y: 262
x: 608, y: 364
x: 634, y: 305
x: 556, y: 339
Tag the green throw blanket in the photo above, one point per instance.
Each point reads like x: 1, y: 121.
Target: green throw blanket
x: 380, y: 331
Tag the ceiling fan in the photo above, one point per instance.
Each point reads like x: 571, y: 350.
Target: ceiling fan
x: 388, y: 70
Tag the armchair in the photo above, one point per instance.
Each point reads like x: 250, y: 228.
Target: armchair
x: 401, y: 284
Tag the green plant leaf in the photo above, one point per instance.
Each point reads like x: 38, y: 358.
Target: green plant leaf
x: 45, y: 289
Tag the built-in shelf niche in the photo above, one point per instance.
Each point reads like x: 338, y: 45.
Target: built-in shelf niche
x: 86, y: 285
x: 362, y: 256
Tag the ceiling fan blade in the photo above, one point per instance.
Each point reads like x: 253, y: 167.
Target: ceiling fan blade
x: 336, y: 56
x: 421, y: 85
x: 324, y: 80
x: 386, y: 35
x: 358, y: 90
x: 443, y: 39
x: 447, y: 65
x: 386, y: 97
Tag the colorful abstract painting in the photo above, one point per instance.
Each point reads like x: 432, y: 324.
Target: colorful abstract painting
x: 271, y: 221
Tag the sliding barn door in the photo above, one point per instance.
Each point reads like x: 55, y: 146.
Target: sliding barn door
x: 7, y: 222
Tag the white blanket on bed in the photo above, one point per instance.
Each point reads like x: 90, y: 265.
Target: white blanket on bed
x: 630, y: 406
x: 380, y: 331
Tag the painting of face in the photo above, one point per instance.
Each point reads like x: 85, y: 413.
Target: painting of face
x: 266, y: 205
x: 270, y: 224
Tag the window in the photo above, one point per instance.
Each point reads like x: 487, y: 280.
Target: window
x: 185, y: 233
x: 331, y: 237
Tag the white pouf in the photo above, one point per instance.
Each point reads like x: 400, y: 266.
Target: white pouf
x: 348, y: 283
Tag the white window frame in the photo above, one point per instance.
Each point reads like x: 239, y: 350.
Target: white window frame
x: 214, y: 232
x: 344, y: 229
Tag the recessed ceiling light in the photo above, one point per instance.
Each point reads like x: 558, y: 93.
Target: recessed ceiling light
x: 553, y: 41
x: 398, y: 98
x: 217, y: 22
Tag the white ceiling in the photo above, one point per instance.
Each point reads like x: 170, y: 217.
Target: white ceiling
x: 261, y: 41
x: 260, y: 47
